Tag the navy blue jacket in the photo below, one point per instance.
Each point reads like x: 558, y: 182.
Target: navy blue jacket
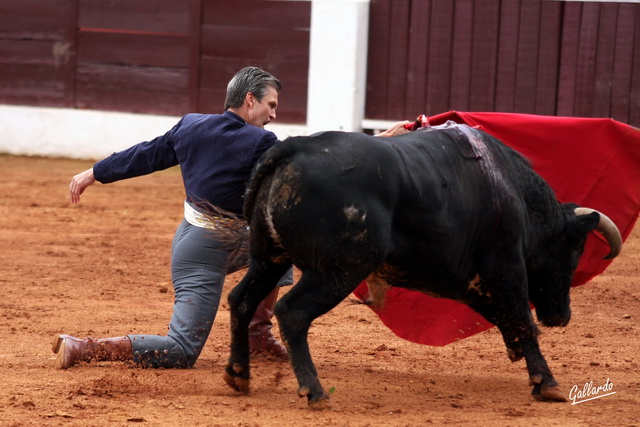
x: 216, y: 153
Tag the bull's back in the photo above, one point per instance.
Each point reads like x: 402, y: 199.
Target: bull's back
x: 338, y: 170
x: 340, y: 194
x: 321, y: 175
x: 341, y: 165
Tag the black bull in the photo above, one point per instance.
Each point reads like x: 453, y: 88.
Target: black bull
x: 449, y: 211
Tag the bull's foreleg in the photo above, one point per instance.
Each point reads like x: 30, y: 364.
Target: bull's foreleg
x: 520, y: 336
x: 545, y: 387
x: 523, y: 342
x: 313, y: 296
x: 513, y: 339
x: 509, y: 310
x: 243, y: 302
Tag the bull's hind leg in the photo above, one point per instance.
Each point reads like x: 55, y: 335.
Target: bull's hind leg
x: 259, y: 281
x: 314, y: 295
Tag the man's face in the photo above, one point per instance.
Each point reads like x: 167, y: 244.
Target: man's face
x: 262, y: 112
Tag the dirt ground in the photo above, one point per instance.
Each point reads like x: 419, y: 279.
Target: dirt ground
x: 101, y: 269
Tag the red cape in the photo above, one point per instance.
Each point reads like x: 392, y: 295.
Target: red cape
x: 594, y: 163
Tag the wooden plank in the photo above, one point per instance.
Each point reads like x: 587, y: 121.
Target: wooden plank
x: 622, y: 78
x: 129, y: 78
x: 548, y: 57
x: 31, y: 76
x: 36, y: 51
x: 195, y: 12
x: 290, y: 110
x: 72, y: 51
x: 378, y: 60
x: 418, y: 54
x: 634, y: 101
x: 484, y: 54
x: 461, y: 51
x: 37, y: 97
x: 211, y: 101
x: 36, y: 19
x: 32, y: 84
x: 273, y: 35
x: 398, y: 59
x: 604, y: 60
x: 526, y: 82
x: 257, y: 14
x: 30, y: 52
x: 37, y: 65
x: 275, y: 44
x: 133, y: 49
x: 569, y: 59
x: 439, y: 61
x: 508, y: 45
x: 138, y: 101
x: 154, y: 16
x: 587, y: 48
x: 216, y: 72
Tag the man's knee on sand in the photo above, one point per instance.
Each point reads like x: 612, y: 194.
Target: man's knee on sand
x: 162, y: 352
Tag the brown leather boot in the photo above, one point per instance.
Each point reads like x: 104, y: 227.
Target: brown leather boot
x: 72, y: 350
x: 261, y: 340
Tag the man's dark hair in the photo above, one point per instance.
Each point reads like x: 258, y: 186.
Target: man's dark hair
x: 249, y: 79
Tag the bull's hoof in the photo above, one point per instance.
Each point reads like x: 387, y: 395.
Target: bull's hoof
x: 321, y: 405
x: 235, y: 382
x: 543, y: 393
x: 514, y: 355
x: 549, y: 392
x: 319, y: 402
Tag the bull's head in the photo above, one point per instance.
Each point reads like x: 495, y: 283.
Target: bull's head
x: 552, y: 271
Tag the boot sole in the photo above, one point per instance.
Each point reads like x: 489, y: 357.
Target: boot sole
x: 59, y: 347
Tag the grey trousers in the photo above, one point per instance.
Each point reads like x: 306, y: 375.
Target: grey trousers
x: 199, y: 265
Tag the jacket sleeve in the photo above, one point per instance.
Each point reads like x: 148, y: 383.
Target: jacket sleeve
x: 267, y: 141
x: 141, y: 159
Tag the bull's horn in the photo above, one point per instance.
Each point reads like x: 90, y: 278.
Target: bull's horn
x: 608, y: 230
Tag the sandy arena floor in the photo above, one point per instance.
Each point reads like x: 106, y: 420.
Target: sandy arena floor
x: 101, y: 269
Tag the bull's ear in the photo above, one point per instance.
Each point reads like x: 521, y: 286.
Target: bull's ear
x: 588, y: 222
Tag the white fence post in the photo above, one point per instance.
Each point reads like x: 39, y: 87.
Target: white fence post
x: 337, y: 65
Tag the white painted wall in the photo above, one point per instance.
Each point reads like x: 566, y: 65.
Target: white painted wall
x: 86, y: 134
x: 81, y: 134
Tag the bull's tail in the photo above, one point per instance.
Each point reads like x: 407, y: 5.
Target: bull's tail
x: 268, y: 163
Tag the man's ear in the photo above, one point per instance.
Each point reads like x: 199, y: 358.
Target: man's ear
x: 250, y: 99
